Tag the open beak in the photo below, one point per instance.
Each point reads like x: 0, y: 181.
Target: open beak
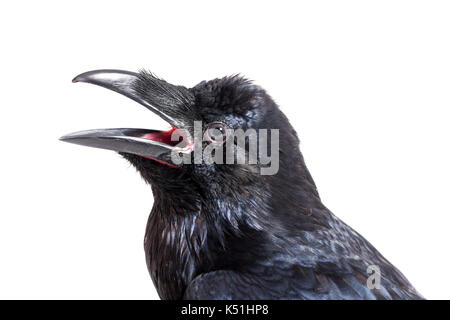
x: 153, y: 144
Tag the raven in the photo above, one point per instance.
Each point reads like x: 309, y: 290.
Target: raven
x: 226, y: 231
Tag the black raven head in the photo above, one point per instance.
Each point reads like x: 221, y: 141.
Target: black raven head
x: 215, y: 108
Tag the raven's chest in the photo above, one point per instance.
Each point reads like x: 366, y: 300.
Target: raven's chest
x: 172, y: 248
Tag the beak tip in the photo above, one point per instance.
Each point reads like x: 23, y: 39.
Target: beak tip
x: 68, y: 137
x: 78, y: 78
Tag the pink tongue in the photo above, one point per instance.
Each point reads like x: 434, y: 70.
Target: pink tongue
x: 163, y: 136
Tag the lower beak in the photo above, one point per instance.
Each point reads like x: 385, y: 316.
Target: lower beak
x: 153, y: 144
x: 134, y: 141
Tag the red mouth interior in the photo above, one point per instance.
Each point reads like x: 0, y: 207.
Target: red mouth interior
x: 163, y: 137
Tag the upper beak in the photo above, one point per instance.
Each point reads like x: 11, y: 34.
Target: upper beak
x: 153, y: 144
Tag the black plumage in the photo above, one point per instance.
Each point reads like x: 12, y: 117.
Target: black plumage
x: 228, y: 232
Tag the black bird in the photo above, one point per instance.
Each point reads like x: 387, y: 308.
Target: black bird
x: 227, y: 231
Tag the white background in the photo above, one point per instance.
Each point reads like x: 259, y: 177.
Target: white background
x: 365, y: 83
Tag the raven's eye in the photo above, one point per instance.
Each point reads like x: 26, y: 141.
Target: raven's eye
x: 216, y: 132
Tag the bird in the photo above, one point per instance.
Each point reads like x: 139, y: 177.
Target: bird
x: 227, y: 231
